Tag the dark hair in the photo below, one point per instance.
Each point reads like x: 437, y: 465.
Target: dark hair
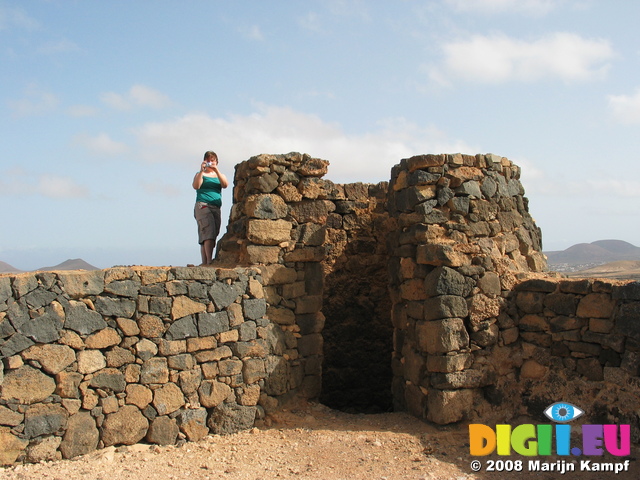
x: 210, y: 154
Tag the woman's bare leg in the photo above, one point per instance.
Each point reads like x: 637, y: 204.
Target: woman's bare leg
x: 203, y: 254
x: 206, y: 251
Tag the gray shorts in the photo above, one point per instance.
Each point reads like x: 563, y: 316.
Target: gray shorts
x: 208, y: 218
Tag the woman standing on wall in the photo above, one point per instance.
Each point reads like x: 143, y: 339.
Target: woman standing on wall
x: 208, y: 184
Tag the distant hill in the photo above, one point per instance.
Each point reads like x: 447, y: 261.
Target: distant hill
x: 591, y: 254
x: 622, y: 269
x: 6, y: 268
x: 615, y: 267
x: 618, y: 247
x: 71, y: 264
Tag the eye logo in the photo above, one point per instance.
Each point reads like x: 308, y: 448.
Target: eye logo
x: 562, y: 412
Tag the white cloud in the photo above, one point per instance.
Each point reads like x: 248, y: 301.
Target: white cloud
x: 54, y: 186
x: 16, y: 17
x: 365, y: 157
x: 537, y: 181
x: 498, y: 58
x: 148, y: 97
x: 115, y: 100
x: 534, y: 7
x: 606, y: 187
x: 162, y: 189
x: 625, y: 108
x: 252, y: 33
x: 19, y: 183
x: 314, y: 93
x: 35, y: 102
x: 530, y: 172
x: 101, y: 144
x: 82, y: 111
x: 335, y: 10
x: 60, y: 46
x: 349, y: 8
x: 137, y: 96
x: 311, y: 21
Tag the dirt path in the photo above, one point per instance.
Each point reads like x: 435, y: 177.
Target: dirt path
x: 313, y: 442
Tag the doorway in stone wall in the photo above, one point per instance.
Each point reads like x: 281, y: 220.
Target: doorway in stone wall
x: 358, y: 334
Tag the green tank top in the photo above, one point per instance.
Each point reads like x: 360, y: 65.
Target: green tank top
x: 210, y: 191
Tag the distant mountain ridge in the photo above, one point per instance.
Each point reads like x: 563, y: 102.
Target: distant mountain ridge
x: 579, y: 256
x: 6, y: 268
x: 71, y: 264
x: 601, y: 251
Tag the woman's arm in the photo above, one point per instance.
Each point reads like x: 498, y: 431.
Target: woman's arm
x: 224, y: 183
x: 197, y: 180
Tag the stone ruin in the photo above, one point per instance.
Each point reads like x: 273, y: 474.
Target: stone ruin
x: 441, y: 270
x: 426, y: 294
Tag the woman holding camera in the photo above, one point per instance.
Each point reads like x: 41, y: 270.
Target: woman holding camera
x: 208, y: 183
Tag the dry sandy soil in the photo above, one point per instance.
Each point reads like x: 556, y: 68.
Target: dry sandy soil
x: 310, y: 442
x: 620, y: 270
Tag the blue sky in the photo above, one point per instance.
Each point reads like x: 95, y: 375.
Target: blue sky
x: 107, y: 107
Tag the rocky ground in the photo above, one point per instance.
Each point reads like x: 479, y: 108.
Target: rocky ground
x: 310, y: 442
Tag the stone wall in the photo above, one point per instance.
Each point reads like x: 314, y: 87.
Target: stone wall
x: 480, y: 333
x: 464, y: 234
x: 424, y: 294
x: 135, y: 354
x: 334, y: 237
x: 574, y: 340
